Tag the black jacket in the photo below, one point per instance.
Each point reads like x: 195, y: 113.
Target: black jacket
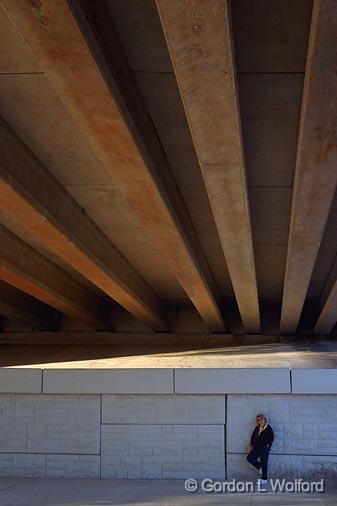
x: 264, y: 440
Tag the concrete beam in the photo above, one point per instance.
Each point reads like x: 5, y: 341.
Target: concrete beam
x: 327, y: 304
x: 120, y: 338
x: 118, y: 127
x: 30, y: 272
x: 200, y: 43
x: 57, y: 222
x: 19, y: 306
x: 328, y: 316
x: 316, y: 164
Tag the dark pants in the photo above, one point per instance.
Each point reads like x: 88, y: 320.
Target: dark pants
x: 259, y: 459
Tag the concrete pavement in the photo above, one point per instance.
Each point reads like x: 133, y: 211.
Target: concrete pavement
x: 84, y: 492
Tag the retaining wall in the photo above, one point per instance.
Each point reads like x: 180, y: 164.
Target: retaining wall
x: 165, y: 423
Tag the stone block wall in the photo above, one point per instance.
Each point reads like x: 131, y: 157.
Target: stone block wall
x: 305, y: 429
x: 112, y: 436
x: 163, y: 436
x: 49, y: 435
x: 162, y: 451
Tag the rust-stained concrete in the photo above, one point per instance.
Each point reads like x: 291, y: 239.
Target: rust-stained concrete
x: 63, y: 149
x: 270, y: 45
x: 327, y: 318
x: 19, y: 306
x: 200, y: 43
x: 27, y: 270
x: 67, y: 61
x: 162, y: 98
x: 316, y: 165
x: 35, y: 200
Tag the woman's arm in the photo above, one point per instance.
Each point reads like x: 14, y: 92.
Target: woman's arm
x: 251, y: 445
x: 252, y: 437
x: 270, y: 436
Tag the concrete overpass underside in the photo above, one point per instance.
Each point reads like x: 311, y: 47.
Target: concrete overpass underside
x: 168, y: 245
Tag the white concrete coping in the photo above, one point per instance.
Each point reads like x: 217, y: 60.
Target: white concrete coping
x: 314, y: 381
x: 161, y: 381
x: 232, y: 381
x: 17, y: 380
x: 108, y: 381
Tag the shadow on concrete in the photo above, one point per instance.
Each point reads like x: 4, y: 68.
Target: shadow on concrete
x: 313, y: 354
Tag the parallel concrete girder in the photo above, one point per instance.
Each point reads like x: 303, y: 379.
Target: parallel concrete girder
x: 327, y: 305
x: 316, y: 163
x: 135, y: 342
x: 199, y: 39
x: 29, y: 271
x: 31, y: 196
x: 328, y: 316
x: 19, y: 306
x: 125, y: 141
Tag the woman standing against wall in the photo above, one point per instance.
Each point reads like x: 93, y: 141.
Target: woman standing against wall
x: 260, y: 444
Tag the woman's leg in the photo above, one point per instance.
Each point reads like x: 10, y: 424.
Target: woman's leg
x: 264, y: 455
x: 252, y: 459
